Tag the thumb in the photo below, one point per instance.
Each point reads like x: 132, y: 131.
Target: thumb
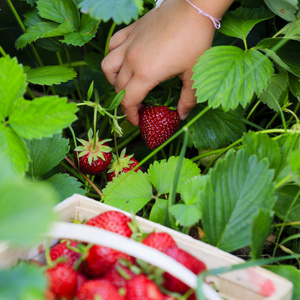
x: 187, y: 100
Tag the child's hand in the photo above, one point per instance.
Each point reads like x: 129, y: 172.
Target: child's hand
x: 164, y: 43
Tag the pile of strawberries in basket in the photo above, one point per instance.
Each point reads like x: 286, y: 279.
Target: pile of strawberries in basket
x: 77, y: 270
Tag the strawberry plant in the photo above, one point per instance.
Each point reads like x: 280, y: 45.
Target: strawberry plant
x: 54, y: 95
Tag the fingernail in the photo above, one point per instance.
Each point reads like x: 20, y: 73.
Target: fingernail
x: 183, y: 116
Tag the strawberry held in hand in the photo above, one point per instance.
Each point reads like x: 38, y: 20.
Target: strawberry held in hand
x: 157, y: 124
x: 122, y: 164
x: 94, y: 155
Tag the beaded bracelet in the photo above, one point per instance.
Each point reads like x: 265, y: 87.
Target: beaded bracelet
x: 216, y: 21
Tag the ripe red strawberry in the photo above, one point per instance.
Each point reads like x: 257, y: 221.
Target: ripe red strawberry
x: 100, y: 259
x: 62, y: 250
x: 119, y: 274
x: 189, y: 261
x: 122, y: 164
x: 141, y: 287
x: 159, y: 240
x: 112, y: 220
x: 94, y: 155
x: 157, y: 124
x: 81, y: 279
x: 98, y: 289
x: 62, y: 280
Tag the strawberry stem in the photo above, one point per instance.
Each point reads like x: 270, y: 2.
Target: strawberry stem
x: 115, y: 140
x: 85, y: 177
x: 95, y: 120
x: 49, y: 261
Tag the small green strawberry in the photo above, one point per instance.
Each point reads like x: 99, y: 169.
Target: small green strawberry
x: 93, y: 156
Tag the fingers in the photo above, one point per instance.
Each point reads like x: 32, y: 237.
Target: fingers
x: 136, y: 91
x: 187, y: 100
x: 119, y: 37
x: 112, y: 63
x: 123, y: 78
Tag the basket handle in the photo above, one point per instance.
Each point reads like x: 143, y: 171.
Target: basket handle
x: 95, y: 235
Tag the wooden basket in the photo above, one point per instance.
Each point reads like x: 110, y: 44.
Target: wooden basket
x: 254, y: 283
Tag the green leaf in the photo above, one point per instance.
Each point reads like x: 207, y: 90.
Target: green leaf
x: 286, y: 195
x: 260, y: 230
x: 116, y: 101
x: 50, y: 44
x: 130, y: 191
x: 31, y: 18
x: 14, y: 147
x: 190, y: 192
x: 65, y: 185
x: 50, y: 75
x: 286, y: 9
x: 45, y: 154
x: 158, y: 211
x: 294, y: 160
x: 287, y: 143
x: 90, y: 91
x: 294, y: 84
x: 228, y: 76
x: 161, y: 174
x: 292, y: 274
x: 25, y: 211
x: 190, y: 212
x: 42, y: 117
x: 43, y: 30
x: 291, y: 30
x: 59, y: 11
x: 93, y: 60
x: 276, y: 91
x: 263, y: 147
x: 287, y: 56
x: 12, y: 84
x: 31, y: 2
x: 87, y: 31
x: 236, y: 188
x: 239, y: 23
x: 31, y: 282
x: 186, y: 215
x: 215, y: 129
x: 121, y: 11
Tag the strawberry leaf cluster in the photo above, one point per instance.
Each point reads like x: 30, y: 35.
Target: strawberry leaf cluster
x: 23, y: 119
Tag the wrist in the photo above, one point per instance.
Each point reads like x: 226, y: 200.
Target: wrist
x: 215, y: 8
x: 215, y: 21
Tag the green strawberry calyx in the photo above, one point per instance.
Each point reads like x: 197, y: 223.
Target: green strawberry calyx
x: 94, y: 149
x: 119, y: 163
